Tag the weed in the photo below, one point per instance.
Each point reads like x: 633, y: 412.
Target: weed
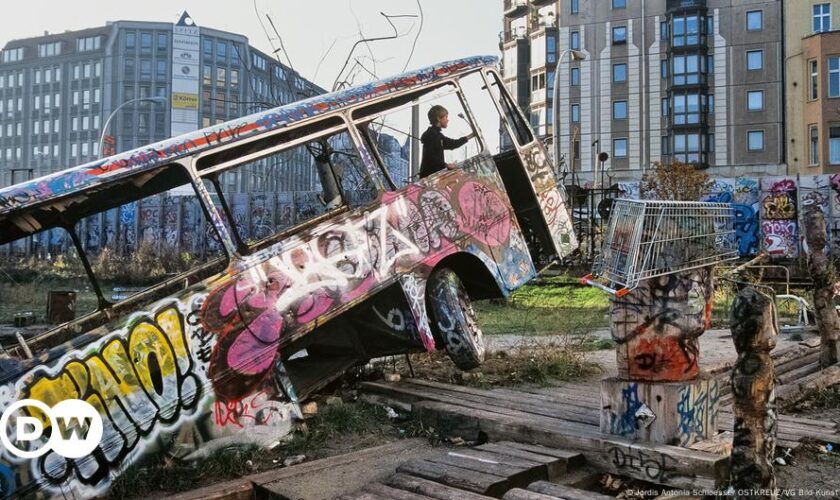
x: 163, y: 474
x: 357, y: 418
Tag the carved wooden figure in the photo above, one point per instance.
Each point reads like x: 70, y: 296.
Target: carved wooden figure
x: 754, y: 330
x: 820, y: 267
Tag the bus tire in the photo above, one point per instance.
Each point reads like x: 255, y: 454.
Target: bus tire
x: 454, y: 319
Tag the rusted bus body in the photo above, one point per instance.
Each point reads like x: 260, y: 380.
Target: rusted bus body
x: 225, y: 352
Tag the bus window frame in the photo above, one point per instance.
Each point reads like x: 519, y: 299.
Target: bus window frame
x: 362, y: 124
x: 241, y: 248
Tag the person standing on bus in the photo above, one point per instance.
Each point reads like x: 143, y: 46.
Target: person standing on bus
x: 434, y: 142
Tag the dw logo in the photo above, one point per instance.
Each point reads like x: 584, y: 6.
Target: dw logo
x: 75, y: 429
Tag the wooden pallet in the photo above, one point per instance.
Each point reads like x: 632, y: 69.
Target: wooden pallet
x: 567, y: 421
x: 487, y: 471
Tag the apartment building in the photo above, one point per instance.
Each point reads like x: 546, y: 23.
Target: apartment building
x: 143, y: 81
x: 695, y: 81
x: 812, y: 87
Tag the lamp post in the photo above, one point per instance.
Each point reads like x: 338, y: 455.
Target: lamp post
x: 576, y: 55
x: 114, y: 113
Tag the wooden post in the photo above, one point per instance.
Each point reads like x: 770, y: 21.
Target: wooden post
x: 754, y: 332
x: 820, y: 267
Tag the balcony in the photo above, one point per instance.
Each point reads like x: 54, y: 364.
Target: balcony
x: 541, y: 2
x: 516, y: 34
x: 514, y: 8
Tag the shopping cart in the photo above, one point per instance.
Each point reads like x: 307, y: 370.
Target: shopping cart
x: 650, y: 238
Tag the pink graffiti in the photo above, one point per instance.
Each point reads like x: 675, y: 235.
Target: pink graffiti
x: 780, y: 237
x: 484, y: 214
x: 249, y: 411
x: 783, y: 186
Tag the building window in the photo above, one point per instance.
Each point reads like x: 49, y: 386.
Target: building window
x: 86, y: 70
x: 663, y: 68
x: 822, y: 17
x: 664, y: 106
x: 207, y: 47
x: 88, y: 43
x: 145, y: 69
x: 710, y: 103
x: 619, y: 148
x: 130, y: 40
x: 710, y: 143
x: 710, y: 25
x: 575, y: 6
x: 145, y: 42
x: 575, y: 113
x: 663, y: 30
x: 834, y: 145
x: 49, y: 49
x: 687, y: 148
x: 162, y: 41
x: 619, y: 4
x: 663, y: 145
x: 755, y: 20
x: 755, y: 60
x: 755, y: 100
x: 686, y: 109
x: 834, y: 77
x: 814, y: 150
x: 710, y: 64
x: 619, y: 72
x: 575, y: 77
x: 160, y: 71
x: 574, y: 41
x: 221, y: 50
x: 687, y: 69
x: 755, y: 141
x: 813, y: 87
x: 619, y: 110
x: 619, y: 34
x: 686, y: 31
x: 13, y: 55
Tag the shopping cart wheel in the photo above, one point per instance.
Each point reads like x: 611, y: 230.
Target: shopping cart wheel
x: 453, y: 319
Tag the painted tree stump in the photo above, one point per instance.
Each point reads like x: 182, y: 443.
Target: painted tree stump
x: 754, y: 332
x: 675, y: 413
x: 657, y: 326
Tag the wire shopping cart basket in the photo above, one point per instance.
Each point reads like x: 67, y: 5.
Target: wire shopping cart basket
x: 650, y: 238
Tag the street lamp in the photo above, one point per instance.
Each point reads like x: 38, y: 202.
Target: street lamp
x: 576, y: 55
x: 114, y: 112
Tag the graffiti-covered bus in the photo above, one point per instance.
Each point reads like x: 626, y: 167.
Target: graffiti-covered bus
x: 279, y: 294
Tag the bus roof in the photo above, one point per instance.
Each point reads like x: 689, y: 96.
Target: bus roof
x: 78, y: 179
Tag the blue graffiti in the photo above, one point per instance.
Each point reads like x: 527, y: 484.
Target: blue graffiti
x: 746, y: 229
x: 7, y: 481
x: 625, y: 424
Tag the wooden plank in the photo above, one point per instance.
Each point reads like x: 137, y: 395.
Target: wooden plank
x: 571, y: 458
x: 516, y: 402
x: 554, y: 466
x: 493, y: 457
x: 567, y: 492
x: 788, y: 430
x: 477, y: 482
x: 418, y: 394
x: 239, y: 489
x: 799, y: 373
x: 796, y: 391
x: 516, y: 476
x: 661, y: 464
x: 361, y: 495
x: 392, y: 493
x: 430, y: 489
x: 520, y: 494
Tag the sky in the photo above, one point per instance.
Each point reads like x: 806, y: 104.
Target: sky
x: 318, y: 35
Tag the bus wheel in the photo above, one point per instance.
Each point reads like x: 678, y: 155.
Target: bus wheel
x: 454, y: 319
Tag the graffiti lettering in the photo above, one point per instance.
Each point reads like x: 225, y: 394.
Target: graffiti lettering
x: 655, y: 467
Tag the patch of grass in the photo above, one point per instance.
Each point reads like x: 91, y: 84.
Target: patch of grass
x: 357, y: 418
x: 551, y: 295
x: 333, y: 424
x: 514, y: 319
x: 168, y: 475
x: 825, y: 399
x: 527, y: 363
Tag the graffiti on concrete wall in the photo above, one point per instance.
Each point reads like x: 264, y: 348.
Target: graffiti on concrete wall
x: 767, y: 211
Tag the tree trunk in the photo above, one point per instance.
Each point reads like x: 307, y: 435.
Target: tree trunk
x: 821, y: 269
x: 754, y: 332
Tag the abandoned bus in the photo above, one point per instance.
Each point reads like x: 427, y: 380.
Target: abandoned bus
x: 295, y: 244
